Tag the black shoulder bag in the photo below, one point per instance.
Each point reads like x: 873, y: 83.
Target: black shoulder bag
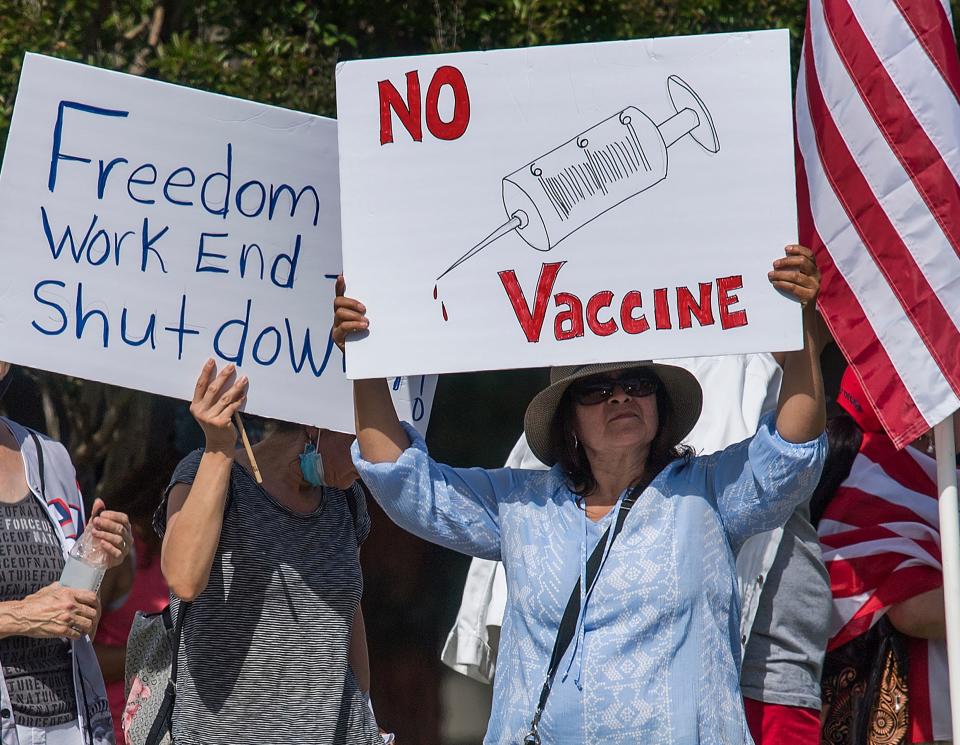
x: 568, y: 623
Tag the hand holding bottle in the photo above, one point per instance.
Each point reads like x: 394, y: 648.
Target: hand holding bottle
x: 51, y: 612
x: 111, y: 533
x: 215, y: 401
x: 104, y: 544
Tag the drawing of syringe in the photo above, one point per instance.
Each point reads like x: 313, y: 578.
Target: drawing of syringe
x: 622, y: 156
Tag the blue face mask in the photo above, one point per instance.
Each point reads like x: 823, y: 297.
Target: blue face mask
x: 311, y: 465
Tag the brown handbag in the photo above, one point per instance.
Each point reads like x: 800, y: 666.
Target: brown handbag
x: 864, y: 690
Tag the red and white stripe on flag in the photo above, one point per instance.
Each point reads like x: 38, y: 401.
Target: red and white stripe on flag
x: 878, y: 182
x: 881, y: 545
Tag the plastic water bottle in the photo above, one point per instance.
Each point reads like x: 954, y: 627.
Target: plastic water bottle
x: 86, y: 565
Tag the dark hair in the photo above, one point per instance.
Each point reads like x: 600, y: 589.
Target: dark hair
x: 139, y: 493
x: 259, y: 427
x: 843, y: 443
x: 573, y: 460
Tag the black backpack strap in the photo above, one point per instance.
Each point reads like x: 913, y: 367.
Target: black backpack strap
x: 163, y: 723
x: 177, y: 634
x: 43, y: 480
x: 568, y: 623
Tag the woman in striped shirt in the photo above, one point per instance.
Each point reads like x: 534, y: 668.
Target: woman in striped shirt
x: 273, y: 648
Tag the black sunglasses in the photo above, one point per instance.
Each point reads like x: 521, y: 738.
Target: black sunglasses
x: 597, y: 390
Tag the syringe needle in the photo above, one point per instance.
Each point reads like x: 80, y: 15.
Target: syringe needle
x: 512, y: 224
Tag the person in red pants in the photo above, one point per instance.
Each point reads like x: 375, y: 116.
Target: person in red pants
x: 783, y: 659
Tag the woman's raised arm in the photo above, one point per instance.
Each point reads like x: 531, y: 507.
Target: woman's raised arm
x: 379, y: 434
x: 801, y: 409
x: 195, y: 511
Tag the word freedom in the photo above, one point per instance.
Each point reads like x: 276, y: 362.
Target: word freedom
x: 181, y: 186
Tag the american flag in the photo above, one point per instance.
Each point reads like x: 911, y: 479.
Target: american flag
x: 881, y: 545
x: 878, y: 133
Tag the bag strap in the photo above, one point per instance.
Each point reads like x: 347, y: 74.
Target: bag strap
x: 568, y: 623
x: 177, y: 634
x: 352, y: 498
x: 163, y: 722
x: 890, y: 655
x: 43, y: 481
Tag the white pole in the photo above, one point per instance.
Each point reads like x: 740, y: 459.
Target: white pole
x: 950, y: 550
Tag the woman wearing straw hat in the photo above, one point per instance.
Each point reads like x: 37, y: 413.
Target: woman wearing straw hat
x: 622, y: 618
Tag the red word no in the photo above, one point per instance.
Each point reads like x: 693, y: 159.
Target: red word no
x: 408, y: 110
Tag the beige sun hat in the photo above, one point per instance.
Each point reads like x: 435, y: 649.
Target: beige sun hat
x: 681, y: 386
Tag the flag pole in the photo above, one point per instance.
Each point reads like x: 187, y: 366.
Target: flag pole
x: 950, y: 550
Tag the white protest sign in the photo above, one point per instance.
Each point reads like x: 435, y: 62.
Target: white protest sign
x: 145, y: 227
x: 568, y: 204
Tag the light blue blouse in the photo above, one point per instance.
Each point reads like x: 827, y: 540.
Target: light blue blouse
x: 659, y: 654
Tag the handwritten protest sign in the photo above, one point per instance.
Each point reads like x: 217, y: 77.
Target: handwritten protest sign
x: 145, y: 227
x: 559, y: 205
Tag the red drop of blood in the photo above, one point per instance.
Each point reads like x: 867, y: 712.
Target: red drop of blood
x: 443, y: 307
x: 434, y: 292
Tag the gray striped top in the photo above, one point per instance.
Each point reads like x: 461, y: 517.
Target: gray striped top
x: 263, y: 658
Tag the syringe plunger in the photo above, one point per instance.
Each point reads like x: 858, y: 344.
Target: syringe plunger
x: 679, y: 125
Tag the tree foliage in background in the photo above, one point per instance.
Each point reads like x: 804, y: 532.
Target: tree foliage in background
x: 284, y: 53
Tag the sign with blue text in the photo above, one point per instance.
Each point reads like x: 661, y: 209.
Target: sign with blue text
x: 568, y: 204
x: 145, y: 227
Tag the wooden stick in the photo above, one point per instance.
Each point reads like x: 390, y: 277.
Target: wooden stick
x: 246, y: 446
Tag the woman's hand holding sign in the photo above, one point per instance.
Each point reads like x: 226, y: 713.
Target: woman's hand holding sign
x: 214, y: 404
x: 349, y: 315
x: 797, y: 275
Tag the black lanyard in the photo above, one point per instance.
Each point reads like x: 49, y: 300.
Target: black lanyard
x: 568, y: 623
